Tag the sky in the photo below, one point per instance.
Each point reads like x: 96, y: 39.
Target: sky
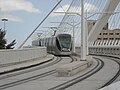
x: 24, y: 15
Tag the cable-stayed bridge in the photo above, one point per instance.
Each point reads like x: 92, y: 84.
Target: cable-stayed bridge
x: 100, y: 21
x: 99, y: 12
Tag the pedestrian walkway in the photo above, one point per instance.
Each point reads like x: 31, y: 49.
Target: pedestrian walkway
x: 4, y: 68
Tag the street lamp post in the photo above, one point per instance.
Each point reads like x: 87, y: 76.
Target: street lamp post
x: 54, y: 29
x: 83, y: 33
x: 4, y: 20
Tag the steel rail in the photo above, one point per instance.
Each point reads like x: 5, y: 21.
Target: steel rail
x: 115, y: 76
x: 33, y: 68
x: 14, y: 83
x: 71, y: 82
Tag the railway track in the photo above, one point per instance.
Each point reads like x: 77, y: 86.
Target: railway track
x: 115, y: 76
x: 23, y: 68
x: 71, y: 82
x: 30, y: 69
x: 26, y: 80
x: 74, y: 58
x: 18, y: 82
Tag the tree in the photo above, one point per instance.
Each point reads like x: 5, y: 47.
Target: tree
x: 10, y: 46
x: 3, y: 41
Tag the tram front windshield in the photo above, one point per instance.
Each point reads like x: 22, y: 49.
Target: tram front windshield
x: 65, y: 41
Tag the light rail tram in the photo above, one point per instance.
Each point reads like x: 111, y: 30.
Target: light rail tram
x: 61, y: 44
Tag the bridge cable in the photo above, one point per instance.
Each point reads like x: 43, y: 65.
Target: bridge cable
x: 40, y: 24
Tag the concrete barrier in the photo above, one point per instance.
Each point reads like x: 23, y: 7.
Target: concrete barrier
x: 18, y: 55
x: 72, y: 68
x: 6, y: 68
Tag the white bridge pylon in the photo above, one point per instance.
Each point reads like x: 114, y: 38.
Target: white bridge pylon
x: 103, y: 19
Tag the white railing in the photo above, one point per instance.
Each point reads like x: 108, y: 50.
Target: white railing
x: 105, y: 50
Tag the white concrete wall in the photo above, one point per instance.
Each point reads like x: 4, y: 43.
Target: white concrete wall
x: 10, y: 56
x: 102, y: 50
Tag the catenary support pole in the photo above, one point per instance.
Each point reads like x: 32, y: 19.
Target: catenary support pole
x: 83, y: 33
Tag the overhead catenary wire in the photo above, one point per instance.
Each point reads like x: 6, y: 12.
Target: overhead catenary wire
x: 71, y: 18
x: 114, y: 19
x: 94, y: 10
x: 119, y: 16
x: 40, y: 24
x: 61, y: 6
x: 61, y: 25
x: 118, y: 20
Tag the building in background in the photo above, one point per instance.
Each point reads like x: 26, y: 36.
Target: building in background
x: 106, y: 36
